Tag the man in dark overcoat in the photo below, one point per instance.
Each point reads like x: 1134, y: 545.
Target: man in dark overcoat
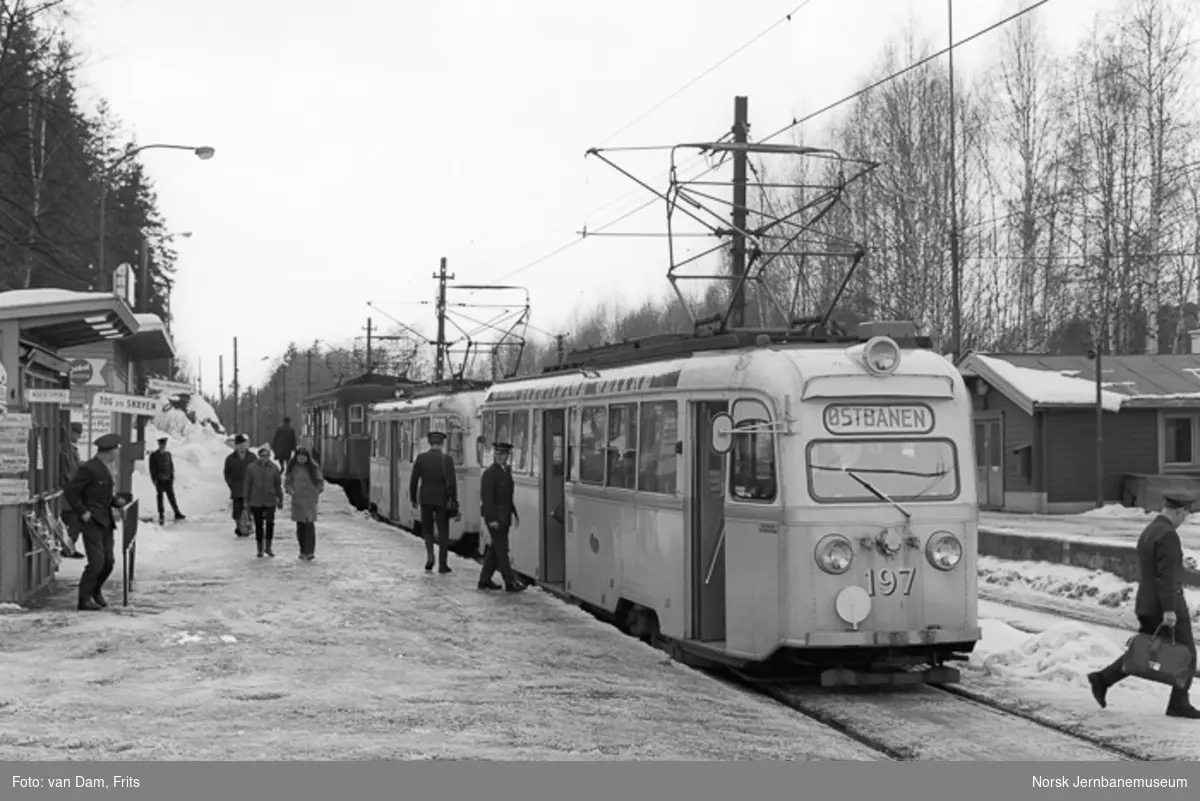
x: 433, y: 475
x: 67, y: 468
x: 236, y: 465
x: 499, y: 515
x: 162, y: 473
x: 91, y: 495
x: 284, y: 443
x: 1160, y: 602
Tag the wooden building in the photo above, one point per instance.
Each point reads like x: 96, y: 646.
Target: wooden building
x: 1035, y: 429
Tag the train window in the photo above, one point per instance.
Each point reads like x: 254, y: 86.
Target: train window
x: 658, y: 464
x: 901, y: 469
x: 454, y: 441
x: 622, y: 445
x: 572, y: 434
x: 535, y: 438
x: 504, y: 429
x: 593, y: 437
x: 356, y: 420
x: 374, y: 436
x: 520, y: 441
x: 483, y: 444
x: 752, y: 474
x: 421, y: 437
x: 406, y: 440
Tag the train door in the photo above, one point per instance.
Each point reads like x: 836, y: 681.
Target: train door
x: 707, y: 527
x: 393, y: 467
x: 554, y: 534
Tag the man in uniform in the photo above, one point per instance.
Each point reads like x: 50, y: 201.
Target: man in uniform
x: 236, y: 465
x: 499, y: 514
x: 90, y: 494
x: 162, y: 473
x: 434, y: 472
x: 1159, y: 601
x: 284, y: 443
x: 68, y: 467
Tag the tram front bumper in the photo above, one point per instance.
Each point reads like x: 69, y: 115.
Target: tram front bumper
x: 884, y: 639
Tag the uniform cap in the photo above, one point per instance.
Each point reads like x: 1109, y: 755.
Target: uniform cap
x: 1180, y: 499
x: 239, y: 439
x: 502, y: 447
x: 162, y: 440
x: 77, y: 428
x: 436, y: 437
x: 108, y: 442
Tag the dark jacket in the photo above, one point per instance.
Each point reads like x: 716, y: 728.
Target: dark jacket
x: 1160, y: 561
x: 264, y: 484
x: 235, y: 472
x: 496, y: 497
x: 162, y: 466
x: 92, y: 490
x: 434, y: 471
x: 284, y: 443
x: 68, y: 463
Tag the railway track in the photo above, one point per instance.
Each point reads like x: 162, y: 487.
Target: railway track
x: 925, y: 722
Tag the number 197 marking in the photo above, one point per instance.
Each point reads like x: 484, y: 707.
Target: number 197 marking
x: 886, y: 581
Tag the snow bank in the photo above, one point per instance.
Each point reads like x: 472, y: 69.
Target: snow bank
x: 1097, y: 588
x: 1064, y: 654
x: 33, y: 297
x: 1115, y: 511
x: 1048, y: 386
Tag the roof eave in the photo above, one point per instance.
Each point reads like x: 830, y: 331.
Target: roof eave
x: 973, y: 366
x: 149, y: 345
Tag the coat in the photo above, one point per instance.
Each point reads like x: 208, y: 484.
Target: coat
x: 496, y: 497
x: 92, y: 490
x: 235, y: 472
x: 1160, y: 567
x: 284, y: 442
x: 434, y: 472
x: 264, y: 485
x: 305, y: 495
x: 162, y: 466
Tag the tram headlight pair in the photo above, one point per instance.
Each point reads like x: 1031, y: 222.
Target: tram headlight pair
x: 943, y: 550
x: 834, y: 554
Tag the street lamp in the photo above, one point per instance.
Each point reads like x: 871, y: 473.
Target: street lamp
x: 204, y: 153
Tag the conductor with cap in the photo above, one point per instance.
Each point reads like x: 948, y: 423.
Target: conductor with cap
x: 432, y: 490
x: 1160, y: 602
x: 91, y: 495
x: 162, y: 473
x: 499, y: 515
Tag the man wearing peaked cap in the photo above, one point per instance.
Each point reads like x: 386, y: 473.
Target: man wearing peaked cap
x: 162, y: 473
x: 236, y: 465
x: 499, y: 514
x: 437, y: 500
x: 1160, y: 602
x: 90, y: 494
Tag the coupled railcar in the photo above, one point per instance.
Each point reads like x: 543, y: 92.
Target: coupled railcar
x: 758, y: 503
x: 334, y: 426
x: 398, y: 433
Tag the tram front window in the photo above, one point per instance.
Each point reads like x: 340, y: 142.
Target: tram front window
x: 848, y: 470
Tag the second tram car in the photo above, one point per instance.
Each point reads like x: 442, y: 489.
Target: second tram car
x: 756, y: 502
x: 399, y: 431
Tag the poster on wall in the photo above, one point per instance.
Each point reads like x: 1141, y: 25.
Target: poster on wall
x: 14, y: 458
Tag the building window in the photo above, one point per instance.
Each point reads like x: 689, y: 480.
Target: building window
x: 1179, y: 440
x: 1022, y: 461
x: 657, y: 460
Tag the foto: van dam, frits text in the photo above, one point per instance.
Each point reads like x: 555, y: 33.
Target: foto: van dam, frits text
x: 67, y: 782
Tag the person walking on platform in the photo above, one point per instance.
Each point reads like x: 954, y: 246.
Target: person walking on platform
x: 264, y: 494
x: 68, y: 465
x: 284, y: 443
x: 305, y: 484
x: 437, y: 500
x: 1160, y: 601
x: 236, y: 465
x: 91, y: 495
x: 162, y: 473
x: 499, y: 515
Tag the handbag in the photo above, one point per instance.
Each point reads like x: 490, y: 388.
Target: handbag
x: 1154, y: 658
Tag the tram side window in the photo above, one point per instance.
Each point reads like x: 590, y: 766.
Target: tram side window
x: 658, y: 462
x: 356, y: 420
x: 535, y: 442
x: 374, y: 429
x: 520, y: 441
x: 421, y: 436
x: 406, y: 440
x: 593, y: 437
x: 487, y: 435
x: 572, y: 434
x: 622, y: 446
x: 454, y: 441
x: 752, y: 474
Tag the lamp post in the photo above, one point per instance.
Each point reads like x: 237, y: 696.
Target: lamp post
x: 204, y: 153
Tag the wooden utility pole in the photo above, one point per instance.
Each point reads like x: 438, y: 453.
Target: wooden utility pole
x: 955, y: 288
x: 368, y: 371
x: 308, y: 377
x: 221, y: 379
x: 741, y: 130
x: 1099, y: 427
x: 441, y: 344
x: 237, y: 422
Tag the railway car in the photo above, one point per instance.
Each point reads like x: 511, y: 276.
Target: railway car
x: 756, y: 501
x: 398, y: 431
x: 334, y: 426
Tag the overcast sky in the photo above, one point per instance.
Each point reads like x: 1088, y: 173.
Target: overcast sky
x: 358, y: 142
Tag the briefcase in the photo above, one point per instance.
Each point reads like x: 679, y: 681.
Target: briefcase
x: 1155, y: 658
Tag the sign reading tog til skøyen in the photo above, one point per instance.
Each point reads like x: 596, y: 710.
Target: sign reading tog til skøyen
x: 125, y: 404
x: 882, y: 418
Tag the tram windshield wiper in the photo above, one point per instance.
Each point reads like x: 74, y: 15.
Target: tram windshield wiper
x: 871, y: 488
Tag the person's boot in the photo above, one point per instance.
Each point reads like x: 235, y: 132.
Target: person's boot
x: 180, y: 516
x: 1180, y: 706
x: 1099, y: 689
x: 89, y: 605
x: 267, y: 548
x: 489, y: 585
x: 429, y: 560
x: 98, y: 597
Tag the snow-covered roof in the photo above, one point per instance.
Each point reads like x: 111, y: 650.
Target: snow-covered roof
x: 61, y: 318
x: 1145, y: 381
x: 149, y: 322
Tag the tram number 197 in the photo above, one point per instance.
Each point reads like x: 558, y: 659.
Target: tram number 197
x: 886, y: 581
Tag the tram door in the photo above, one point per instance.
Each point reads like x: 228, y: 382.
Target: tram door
x: 393, y: 468
x: 554, y: 534
x: 708, y: 527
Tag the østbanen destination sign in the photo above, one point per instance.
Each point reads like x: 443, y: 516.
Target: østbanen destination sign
x: 169, y: 387
x: 878, y: 418
x: 125, y: 404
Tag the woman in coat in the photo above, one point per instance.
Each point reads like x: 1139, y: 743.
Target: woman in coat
x: 264, y: 494
x: 305, y: 484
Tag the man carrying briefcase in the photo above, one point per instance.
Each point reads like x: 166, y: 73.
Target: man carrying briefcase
x: 1160, y: 605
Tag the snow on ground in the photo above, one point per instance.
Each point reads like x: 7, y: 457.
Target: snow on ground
x: 199, y: 453
x: 357, y: 655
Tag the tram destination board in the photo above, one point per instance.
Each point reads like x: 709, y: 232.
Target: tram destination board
x: 878, y: 418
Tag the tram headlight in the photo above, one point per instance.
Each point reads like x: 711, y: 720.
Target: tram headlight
x: 944, y: 550
x: 881, y: 355
x: 834, y: 554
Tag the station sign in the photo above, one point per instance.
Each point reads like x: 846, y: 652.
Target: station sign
x: 879, y: 418
x: 169, y: 387
x: 125, y: 404
x: 60, y: 396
